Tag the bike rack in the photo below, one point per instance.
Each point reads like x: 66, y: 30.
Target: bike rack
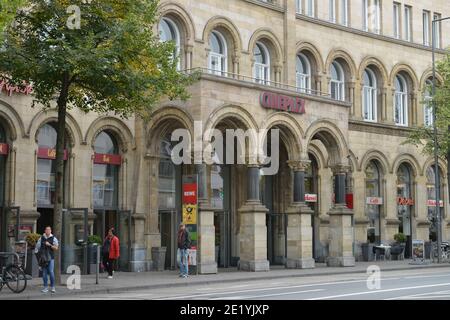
x: 13, y: 254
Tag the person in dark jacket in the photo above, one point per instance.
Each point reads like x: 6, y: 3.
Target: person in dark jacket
x: 184, y: 244
x: 111, y: 252
x: 48, y: 242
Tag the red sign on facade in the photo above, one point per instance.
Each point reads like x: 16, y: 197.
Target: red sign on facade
x: 283, y: 103
x: 4, y: 149
x: 374, y: 200
x: 310, y: 197
x: 112, y: 159
x: 432, y: 203
x: 349, y: 200
x: 190, y: 193
x: 45, y: 153
x: 10, y: 89
x: 405, y: 201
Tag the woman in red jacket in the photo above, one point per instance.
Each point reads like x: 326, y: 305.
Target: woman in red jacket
x: 111, y: 252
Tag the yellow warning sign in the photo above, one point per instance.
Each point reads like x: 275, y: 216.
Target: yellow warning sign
x: 189, y: 213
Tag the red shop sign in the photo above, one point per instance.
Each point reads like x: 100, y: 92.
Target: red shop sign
x: 45, y: 153
x: 112, y: 159
x: 4, y: 149
x: 349, y: 200
x: 190, y: 193
x: 310, y: 197
x: 405, y: 201
x: 282, y: 103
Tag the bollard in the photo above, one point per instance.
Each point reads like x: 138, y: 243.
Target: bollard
x: 97, y: 269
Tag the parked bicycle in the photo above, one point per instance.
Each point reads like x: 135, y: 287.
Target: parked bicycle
x: 445, y: 252
x: 13, y: 274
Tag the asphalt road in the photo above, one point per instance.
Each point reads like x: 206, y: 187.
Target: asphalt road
x: 426, y: 284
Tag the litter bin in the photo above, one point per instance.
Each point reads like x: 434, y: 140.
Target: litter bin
x: 159, y: 258
x: 367, y: 252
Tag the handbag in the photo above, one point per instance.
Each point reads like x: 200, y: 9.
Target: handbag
x: 43, y: 257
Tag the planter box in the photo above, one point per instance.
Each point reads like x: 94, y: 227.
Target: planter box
x: 32, y: 267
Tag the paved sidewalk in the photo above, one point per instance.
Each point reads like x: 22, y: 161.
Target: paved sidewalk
x: 123, y: 281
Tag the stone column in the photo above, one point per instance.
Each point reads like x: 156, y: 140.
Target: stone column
x: 392, y: 221
x: 206, y: 231
x: 188, y: 50
x: 383, y: 102
x: 422, y: 223
x: 390, y: 119
x: 341, y: 229
x: 253, y: 230
x: 413, y: 109
x: 235, y: 66
x: 299, y: 229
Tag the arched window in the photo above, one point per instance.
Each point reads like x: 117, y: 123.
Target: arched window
x: 337, y: 81
x: 369, y: 95
x: 46, y: 167
x: 262, y: 63
x: 373, y: 191
x: 218, y: 53
x: 168, y: 31
x: 106, y: 172
x: 303, y: 73
x: 167, y: 177
x: 401, y: 101
x: 428, y: 106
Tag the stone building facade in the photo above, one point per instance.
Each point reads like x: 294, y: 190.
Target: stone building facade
x: 360, y: 69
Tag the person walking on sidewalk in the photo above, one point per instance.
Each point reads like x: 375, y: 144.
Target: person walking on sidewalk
x: 45, y: 248
x: 184, y: 244
x: 111, y: 252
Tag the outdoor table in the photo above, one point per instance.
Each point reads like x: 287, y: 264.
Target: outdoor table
x: 383, y: 249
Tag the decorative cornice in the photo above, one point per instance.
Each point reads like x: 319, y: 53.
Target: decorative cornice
x: 379, y: 128
x: 268, y: 5
x: 368, y: 34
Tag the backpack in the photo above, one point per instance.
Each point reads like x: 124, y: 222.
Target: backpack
x: 43, y: 257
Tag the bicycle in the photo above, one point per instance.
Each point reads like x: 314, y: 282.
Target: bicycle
x: 445, y: 252
x: 13, y: 275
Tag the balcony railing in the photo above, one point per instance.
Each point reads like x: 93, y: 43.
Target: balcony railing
x: 256, y: 81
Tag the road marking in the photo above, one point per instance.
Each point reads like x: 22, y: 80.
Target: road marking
x: 379, y: 291
x: 268, y: 295
x: 419, y: 295
x: 431, y: 276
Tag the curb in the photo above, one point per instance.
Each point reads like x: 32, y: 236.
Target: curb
x: 207, y: 282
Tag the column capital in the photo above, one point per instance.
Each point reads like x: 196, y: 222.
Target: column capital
x: 189, y: 48
x: 340, y: 169
x: 299, y: 165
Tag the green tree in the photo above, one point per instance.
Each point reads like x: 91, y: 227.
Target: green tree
x: 424, y: 136
x: 8, y: 10
x: 100, y: 56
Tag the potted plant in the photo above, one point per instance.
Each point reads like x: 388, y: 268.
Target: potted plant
x: 32, y: 267
x: 93, y: 242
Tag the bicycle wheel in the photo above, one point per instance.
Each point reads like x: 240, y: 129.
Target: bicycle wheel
x: 15, y: 278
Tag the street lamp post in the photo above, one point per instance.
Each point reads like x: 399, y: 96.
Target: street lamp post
x: 436, y: 166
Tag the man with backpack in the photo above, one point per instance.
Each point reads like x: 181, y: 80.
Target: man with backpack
x: 184, y: 244
x: 45, y: 249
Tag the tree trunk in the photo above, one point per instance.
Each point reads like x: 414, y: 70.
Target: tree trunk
x: 59, y: 179
x: 448, y: 165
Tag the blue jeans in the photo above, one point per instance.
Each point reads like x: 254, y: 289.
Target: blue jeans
x: 49, y: 270
x: 184, y: 264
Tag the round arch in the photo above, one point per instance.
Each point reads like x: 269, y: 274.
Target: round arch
x: 379, y: 66
x: 309, y: 47
x: 47, y: 116
x: 12, y: 121
x: 319, y: 152
x: 290, y: 132
x: 116, y: 126
x: 272, y: 40
x: 181, y: 14
x: 229, y: 26
x: 162, y: 120
x: 409, y: 159
x: 373, y: 154
x: 401, y: 67
x: 430, y: 162
x: 341, y: 54
x: 331, y: 137
x: 427, y: 74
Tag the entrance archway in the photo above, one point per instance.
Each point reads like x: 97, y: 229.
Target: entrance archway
x: 405, y: 204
